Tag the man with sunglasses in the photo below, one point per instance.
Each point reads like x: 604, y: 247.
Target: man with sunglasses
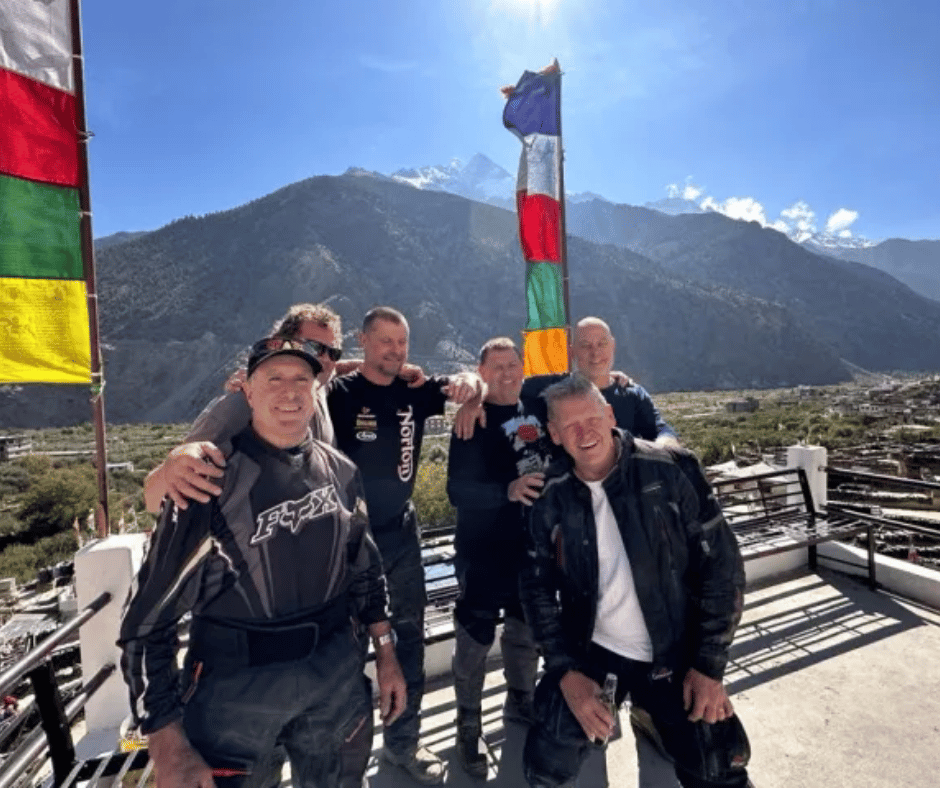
x: 273, y: 663
x: 188, y: 472
x: 377, y: 418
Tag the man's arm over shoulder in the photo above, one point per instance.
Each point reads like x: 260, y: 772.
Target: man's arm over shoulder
x: 539, y: 582
x: 181, y: 478
x: 470, y: 481
x: 165, y: 588
x: 221, y: 420
x: 534, y: 385
x: 649, y: 423
x: 716, y: 570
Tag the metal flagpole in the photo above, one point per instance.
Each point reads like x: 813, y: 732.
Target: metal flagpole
x: 88, y: 260
x: 562, y: 228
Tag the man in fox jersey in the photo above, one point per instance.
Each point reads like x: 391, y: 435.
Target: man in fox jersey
x: 275, y: 570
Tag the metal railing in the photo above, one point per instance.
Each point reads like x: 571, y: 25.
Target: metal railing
x: 52, y: 739
x: 894, y: 528
x: 53, y: 736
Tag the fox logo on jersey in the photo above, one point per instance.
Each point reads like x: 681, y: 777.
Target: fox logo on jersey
x: 294, y: 515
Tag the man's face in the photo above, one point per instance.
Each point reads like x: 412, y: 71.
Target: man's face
x: 594, y: 353
x: 325, y: 336
x: 281, y: 393
x: 583, y: 426
x: 502, y: 372
x: 385, y: 348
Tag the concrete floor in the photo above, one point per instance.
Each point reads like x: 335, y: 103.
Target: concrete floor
x: 838, y: 686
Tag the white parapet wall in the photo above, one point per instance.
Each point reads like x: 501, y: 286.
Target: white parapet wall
x: 760, y: 571
x: 105, y: 565
x: 812, y: 459
x: 900, y: 577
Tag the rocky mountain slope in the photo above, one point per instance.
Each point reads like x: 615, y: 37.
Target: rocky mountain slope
x: 863, y: 314
x: 180, y: 303
x: 915, y: 263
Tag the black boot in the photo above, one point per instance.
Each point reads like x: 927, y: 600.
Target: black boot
x: 519, y: 707
x: 469, y: 731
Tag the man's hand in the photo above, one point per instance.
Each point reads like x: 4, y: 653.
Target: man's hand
x: 668, y: 442
x: 236, y: 380
x: 188, y: 472
x: 347, y: 366
x: 466, y: 418
x: 413, y: 374
x: 583, y: 698
x: 527, y: 488
x: 621, y: 379
x: 463, y: 387
x: 175, y: 762
x: 705, y: 698
x: 392, y: 688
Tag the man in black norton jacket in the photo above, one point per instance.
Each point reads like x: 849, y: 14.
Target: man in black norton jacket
x: 632, y: 571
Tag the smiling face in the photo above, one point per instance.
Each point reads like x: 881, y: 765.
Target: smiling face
x: 583, y: 425
x: 281, y: 393
x: 502, y: 372
x: 594, y: 352
x: 385, y: 349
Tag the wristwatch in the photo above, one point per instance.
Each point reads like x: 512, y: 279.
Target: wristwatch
x: 382, y: 640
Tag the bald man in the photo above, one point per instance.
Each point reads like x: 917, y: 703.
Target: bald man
x: 594, y: 350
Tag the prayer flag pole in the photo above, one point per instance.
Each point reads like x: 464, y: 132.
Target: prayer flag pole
x: 88, y: 260
x: 533, y: 113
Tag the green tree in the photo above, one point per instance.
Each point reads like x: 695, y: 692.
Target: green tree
x: 430, y: 496
x: 54, y: 501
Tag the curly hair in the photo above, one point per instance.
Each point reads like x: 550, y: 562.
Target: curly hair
x: 322, y: 315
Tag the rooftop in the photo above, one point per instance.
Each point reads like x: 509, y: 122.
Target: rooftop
x: 837, y: 686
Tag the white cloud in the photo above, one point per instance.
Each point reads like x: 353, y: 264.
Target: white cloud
x: 744, y: 208
x: 688, y: 191
x: 840, y: 221
x: 800, y: 221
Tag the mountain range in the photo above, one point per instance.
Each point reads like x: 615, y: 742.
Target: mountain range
x: 697, y: 301
x: 915, y: 263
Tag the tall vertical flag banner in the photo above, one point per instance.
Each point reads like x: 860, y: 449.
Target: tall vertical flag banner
x: 44, y: 325
x: 533, y: 113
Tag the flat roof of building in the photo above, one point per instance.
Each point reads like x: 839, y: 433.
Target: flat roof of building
x: 837, y: 686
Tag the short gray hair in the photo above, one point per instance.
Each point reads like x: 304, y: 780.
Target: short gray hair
x: 574, y: 385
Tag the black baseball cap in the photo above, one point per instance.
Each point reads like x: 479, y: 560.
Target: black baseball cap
x: 269, y: 347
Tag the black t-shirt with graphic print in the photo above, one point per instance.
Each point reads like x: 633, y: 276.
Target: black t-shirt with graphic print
x: 380, y: 428
x: 490, y: 527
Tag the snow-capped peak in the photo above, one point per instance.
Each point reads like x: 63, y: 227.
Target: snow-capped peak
x: 480, y: 179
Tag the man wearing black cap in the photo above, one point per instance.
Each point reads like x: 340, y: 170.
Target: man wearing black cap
x: 274, y: 570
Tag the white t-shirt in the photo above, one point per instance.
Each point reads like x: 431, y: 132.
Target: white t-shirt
x: 619, y: 626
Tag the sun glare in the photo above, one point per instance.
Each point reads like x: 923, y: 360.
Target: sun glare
x: 539, y: 12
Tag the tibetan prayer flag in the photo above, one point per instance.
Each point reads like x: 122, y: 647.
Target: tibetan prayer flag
x: 533, y: 113
x: 44, y: 330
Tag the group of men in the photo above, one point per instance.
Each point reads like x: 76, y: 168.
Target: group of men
x: 603, y: 554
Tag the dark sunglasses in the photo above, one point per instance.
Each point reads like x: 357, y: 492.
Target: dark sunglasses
x: 317, y: 348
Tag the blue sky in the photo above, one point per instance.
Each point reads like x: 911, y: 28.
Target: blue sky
x: 824, y: 111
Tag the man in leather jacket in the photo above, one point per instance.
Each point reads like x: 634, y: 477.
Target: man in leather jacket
x: 634, y: 572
